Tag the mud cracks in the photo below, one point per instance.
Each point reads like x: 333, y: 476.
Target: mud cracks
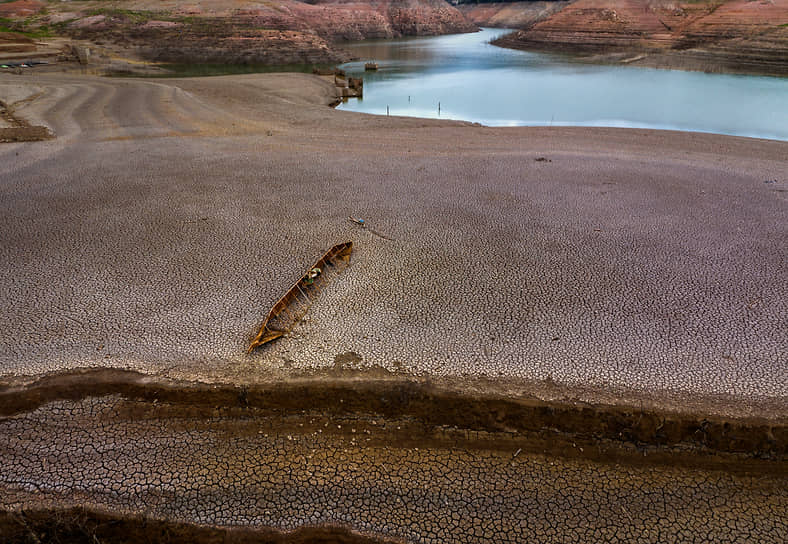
x: 78, y: 525
x: 349, y: 459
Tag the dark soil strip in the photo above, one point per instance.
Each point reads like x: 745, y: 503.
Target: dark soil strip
x: 601, y: 433
x: 78, y: 526
x: 20, y: 130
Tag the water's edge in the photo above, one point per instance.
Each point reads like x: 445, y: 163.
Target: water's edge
x: 465, y: 77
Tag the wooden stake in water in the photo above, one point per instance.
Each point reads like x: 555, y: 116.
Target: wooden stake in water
x: 439, y: 109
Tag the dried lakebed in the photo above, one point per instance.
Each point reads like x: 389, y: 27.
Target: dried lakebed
x: 625, y: 380
x: 391, y: 459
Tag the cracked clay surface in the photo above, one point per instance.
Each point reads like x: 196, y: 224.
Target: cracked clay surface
x: 556, y: 269
x: 167, y: 216
x: 241, y: 468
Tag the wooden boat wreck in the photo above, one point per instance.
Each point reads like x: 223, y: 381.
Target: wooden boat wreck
x: 371, y: 66
x: 294, y: 304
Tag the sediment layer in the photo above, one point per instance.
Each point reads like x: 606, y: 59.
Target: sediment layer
x: 515, y: 15
x: 80, y: 525
x: 17, y: 129
x: 541, y: 426
x: 393, y: 460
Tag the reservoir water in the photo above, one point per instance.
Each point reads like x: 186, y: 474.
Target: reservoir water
x: 471, y: 80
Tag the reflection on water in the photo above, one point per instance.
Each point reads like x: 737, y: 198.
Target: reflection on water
x: 475, y: 81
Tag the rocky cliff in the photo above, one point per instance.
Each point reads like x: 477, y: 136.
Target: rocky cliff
x: 242, y: 31
x: 511, y: 14
x: 712, y: 35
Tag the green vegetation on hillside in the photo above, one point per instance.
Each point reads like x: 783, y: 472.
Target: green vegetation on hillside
x: 25, y: 27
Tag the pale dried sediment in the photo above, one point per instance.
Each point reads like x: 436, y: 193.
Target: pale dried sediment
x: 168, y: 215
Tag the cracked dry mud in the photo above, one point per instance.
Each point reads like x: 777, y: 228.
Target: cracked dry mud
x: 235, y: 457
x: 626, y: 381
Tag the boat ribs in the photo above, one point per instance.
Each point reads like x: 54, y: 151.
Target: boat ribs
x: 291, y: 308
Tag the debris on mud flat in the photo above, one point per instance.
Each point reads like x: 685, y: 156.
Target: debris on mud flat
x: 291, y: 308
x: 363, y: 224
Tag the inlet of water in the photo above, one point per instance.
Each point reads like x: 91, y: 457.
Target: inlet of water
x: 475, y: 81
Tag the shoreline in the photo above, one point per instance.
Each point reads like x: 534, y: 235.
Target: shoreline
x: 659, y: 59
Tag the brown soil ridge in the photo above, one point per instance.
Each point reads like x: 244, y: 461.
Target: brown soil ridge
x: 436, y: 415
x: 78, y: 525
x: 17, y: 129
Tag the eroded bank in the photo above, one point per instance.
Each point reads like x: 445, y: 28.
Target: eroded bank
x: 387, y: 459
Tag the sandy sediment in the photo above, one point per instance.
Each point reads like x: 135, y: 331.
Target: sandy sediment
x: 582, y: 328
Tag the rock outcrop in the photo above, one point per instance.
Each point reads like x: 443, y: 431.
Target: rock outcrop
x: 21, y: 8
x: 713, y: 35
x: 278, y: 32
x: 518, y: 15
x: 336, y: 20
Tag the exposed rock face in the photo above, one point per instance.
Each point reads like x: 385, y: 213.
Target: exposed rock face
x: 511, y: 14
x: 21, y: 8
x: 598, y: 25
x: 280, y: 32
x: 337, y: 20
x: 226, y: 42
x: 729, y: 35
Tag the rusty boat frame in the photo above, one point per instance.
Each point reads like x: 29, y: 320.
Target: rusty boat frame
x: 295, y: 303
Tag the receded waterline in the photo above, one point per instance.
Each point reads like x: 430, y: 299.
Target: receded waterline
x: 475, y: 81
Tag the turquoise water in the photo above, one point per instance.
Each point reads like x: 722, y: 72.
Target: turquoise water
x: 475, y: 81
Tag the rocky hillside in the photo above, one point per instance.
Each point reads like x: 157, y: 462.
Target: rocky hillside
x: 511, y: 14
x: 713, y: 35
x: 236, y: 31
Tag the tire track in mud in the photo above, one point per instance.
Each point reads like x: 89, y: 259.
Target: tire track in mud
x: 134, y: 110
x: 92, y: 115
x: 118, y: 110
x: 169, y: 111
x: 67, y: 114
